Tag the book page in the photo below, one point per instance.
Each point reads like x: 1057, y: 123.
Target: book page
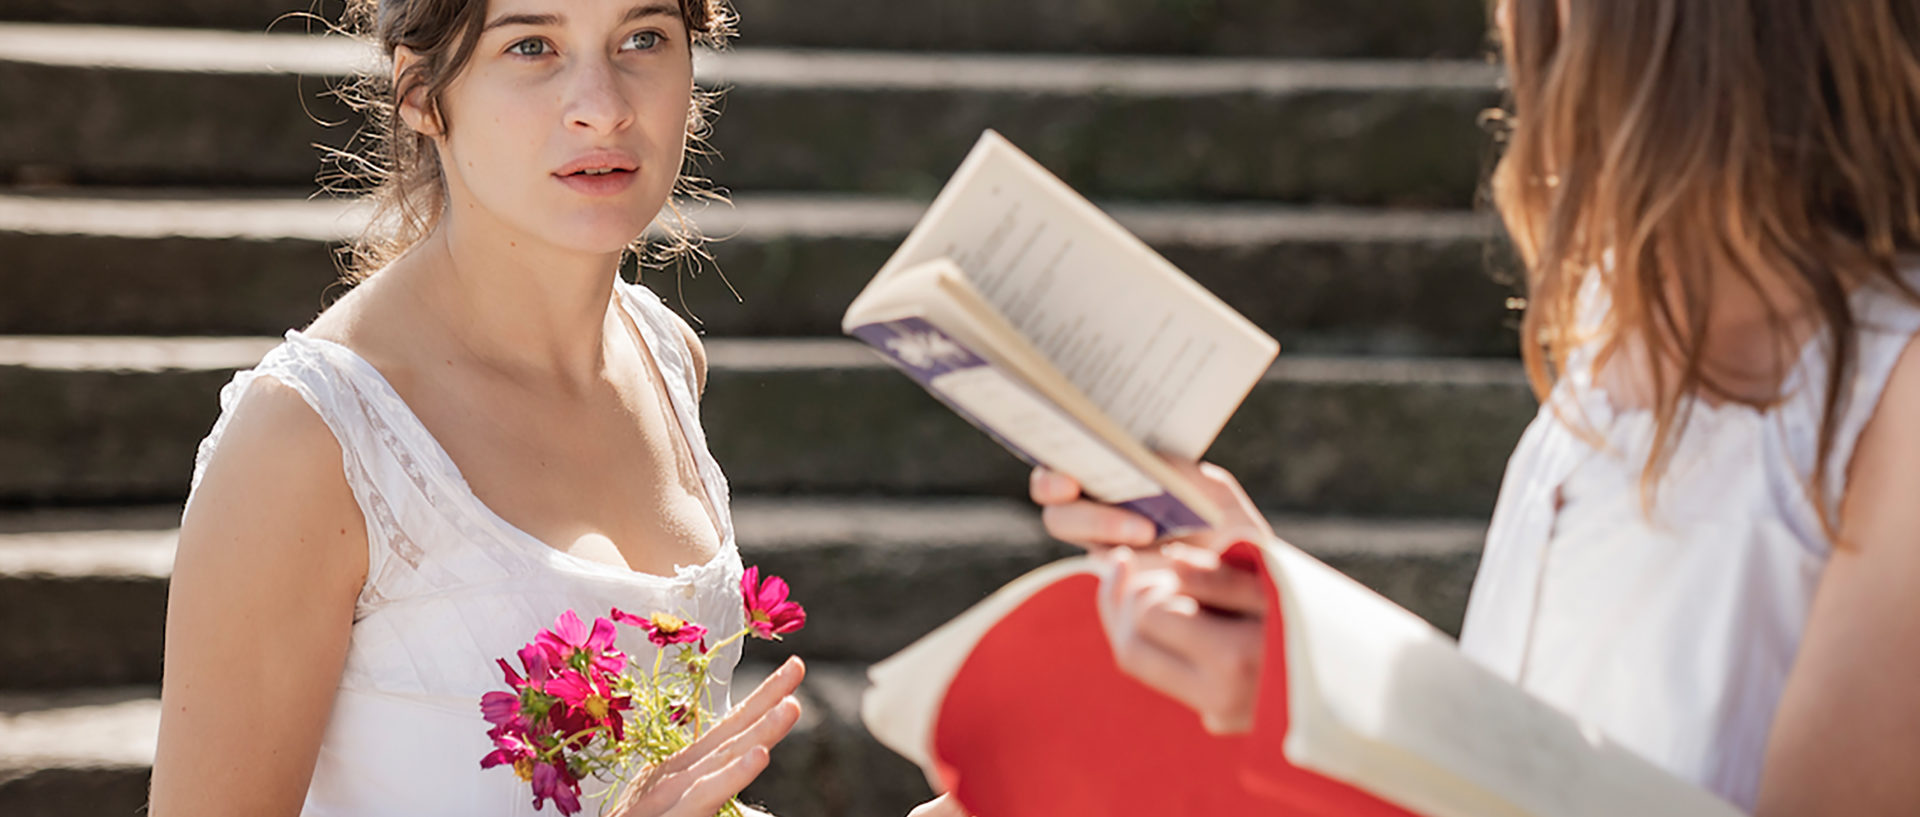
x: 1154, y: 350
x: 1381, y: 699
x: 899, y: 709
x: 1040, y: 430
x: 1028, y: 424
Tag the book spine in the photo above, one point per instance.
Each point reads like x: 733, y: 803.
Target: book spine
x: 1021, y: 420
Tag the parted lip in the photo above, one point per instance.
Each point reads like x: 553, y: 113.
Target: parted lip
x: 599, y: 160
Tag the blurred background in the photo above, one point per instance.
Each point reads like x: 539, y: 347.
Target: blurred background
x: 1314, y: 163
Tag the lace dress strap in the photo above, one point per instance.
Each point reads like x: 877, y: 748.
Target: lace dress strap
x: 302, y: 365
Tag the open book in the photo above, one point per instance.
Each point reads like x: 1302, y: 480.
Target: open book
x: 1045, y: 323
x: 1365, y: 710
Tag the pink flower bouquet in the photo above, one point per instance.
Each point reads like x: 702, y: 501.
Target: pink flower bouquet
x: 578, y: 708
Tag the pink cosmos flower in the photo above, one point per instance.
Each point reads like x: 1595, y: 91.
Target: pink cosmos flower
x: 590, y: 696
x: 663, y: 629
x: 512, y: 748
x: 552, y: 781
x: 570, y: 637
x: 769, y: 612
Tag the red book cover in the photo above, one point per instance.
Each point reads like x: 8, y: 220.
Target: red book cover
x: 1018, y: 708
x: 1040, y: 722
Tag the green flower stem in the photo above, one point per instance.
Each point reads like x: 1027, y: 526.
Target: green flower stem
x: 730, y: 639
x: 651, y: 735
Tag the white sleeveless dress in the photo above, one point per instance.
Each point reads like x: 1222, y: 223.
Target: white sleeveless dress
x: 451, y: 586
x: 1674, y: 636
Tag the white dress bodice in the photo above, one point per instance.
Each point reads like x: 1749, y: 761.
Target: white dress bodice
x: 451, y: 586
x: 1673, y: 632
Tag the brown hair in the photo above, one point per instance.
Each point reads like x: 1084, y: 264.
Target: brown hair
x: 1681, y: 150
x: 397, y: 170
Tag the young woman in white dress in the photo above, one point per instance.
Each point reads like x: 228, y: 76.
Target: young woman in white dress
x: 1707, y: 542
x: 489, y: 430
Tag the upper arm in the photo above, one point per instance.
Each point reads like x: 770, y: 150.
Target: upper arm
x: 272, y: 555
x: 699, y: 354
x: 1846, y: 738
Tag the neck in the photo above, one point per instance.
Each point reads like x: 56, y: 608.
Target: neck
x: 514, y: 303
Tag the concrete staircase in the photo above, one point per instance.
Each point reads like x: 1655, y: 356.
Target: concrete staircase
x: 1313, y: 163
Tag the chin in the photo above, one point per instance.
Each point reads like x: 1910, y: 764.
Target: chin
x: 597, y: 235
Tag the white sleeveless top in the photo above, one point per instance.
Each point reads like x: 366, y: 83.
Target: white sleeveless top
x: 451, y: 586
x: 1674, y: 636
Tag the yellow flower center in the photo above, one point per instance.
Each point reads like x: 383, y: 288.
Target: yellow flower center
x: 761, y: 616
x: 596, y: 706
x: 668, y: 624
x: 524, y: 768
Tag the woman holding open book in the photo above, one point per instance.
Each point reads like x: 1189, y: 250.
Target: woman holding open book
x: 1707, y: 540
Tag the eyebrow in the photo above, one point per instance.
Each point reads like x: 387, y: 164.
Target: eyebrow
x: 635, y: 13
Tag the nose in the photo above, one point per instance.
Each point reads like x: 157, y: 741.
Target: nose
x: 595, y: 99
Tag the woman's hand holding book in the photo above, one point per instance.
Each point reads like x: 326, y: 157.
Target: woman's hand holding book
x: 1179, y: 619
x: 1096, y: 526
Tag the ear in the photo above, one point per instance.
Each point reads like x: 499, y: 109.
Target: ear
x: 413, y: 108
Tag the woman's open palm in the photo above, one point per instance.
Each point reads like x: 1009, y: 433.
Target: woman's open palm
x: 701, y: 778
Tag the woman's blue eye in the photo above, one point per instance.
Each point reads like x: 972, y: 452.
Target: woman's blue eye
x: 528, y: 48
x: 644, y: 40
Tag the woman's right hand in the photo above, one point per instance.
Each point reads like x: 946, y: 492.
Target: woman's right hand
x: 1177, y: 618
x: 701, y: 778
x: 1075, y: 519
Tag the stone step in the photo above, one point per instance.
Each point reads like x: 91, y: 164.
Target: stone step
x: 153, y: 106
x: 77, y: 752
x: 88, y: 752
x: 1286, y: 28
x: 114, y: 419
x: 1322, y: 280
x: 84, y: 590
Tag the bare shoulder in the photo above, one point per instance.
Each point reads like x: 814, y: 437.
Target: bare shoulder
x: 277, y: 466
x: 271, y: 558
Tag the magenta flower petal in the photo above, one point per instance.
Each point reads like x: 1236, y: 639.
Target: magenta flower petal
x: 628, y: 618
x: 601, y: 639
x: 750, y: 586
x: 568, y: 634
x: 773, y: 591
x: 499, y: 707
x: 566, y: 801
x: 571, y: 687
x: 511, y: 748
x: 514, y: 679
x: 788, y: 617
x: 552, y: 783
x: 769, y: 612
x: 539, y: 663
x: 571, y: 630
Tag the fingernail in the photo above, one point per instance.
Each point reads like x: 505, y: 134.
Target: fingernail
x: 1142, y: 530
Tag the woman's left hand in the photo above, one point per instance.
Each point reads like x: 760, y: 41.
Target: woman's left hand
x: 1190, y: 626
